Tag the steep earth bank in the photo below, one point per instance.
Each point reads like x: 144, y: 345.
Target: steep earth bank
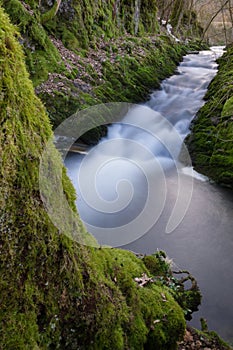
x: 211, y: 140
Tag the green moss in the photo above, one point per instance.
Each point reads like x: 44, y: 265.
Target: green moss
x: 41, y: 55
x: 228, y: 108
x: 211, y: 141
x: 49, y: 15
x: 20, y: 323
x: 133, y: 76
x: 142, y: 330
x: 81, y: 22
x: 56, y: 293
x: 139, y: 65
x: 177, y: 12
x: 188, y: 299
x: 157, y: 264
x: 159, y: 319
x: 148, y: 13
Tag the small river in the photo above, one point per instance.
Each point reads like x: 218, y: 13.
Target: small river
x: 137, y: 190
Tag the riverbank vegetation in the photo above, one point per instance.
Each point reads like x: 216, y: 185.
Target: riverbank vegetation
x: 88, y: 53
x: 55, y: 292
x: 211, y: 140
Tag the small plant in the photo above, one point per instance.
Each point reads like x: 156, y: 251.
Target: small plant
x: 159, y: 266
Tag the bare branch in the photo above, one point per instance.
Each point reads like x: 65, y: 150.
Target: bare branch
x: 213, y: 17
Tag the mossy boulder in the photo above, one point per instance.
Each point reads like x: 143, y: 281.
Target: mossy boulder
x: 160, y: 268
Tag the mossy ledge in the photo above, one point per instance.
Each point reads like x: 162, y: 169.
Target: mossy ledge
x: 55, y: 293
x: 211, y: 140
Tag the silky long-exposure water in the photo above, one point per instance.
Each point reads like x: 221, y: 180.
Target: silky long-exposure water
x: 137, y: 189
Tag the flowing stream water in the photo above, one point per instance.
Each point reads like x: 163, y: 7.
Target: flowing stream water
x: 151, y: 197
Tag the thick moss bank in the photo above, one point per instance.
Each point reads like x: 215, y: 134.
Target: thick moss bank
x: 88, y: 52
x: 211, y: 140
x: 55, y: 293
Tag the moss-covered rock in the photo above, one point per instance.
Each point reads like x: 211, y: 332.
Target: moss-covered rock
x: 188, y: 298
x: 56, y: 293
x: 211, y: 140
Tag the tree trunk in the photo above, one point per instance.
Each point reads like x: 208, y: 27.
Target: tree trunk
x: 224, y: 26
x: 231, y: 16
x: 213, y: 17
